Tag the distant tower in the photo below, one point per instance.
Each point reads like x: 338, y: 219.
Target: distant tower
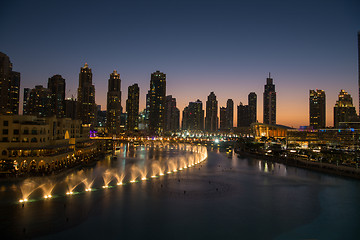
x: 193, y: 116
x: 113, y: 108
x: 344, y: 110
x: 56, y: 85
x: 172, y: 114
x: 229, y: 114
x: 132, y: 108
x: 9, y: 87
x: 25, y: 100
x: 86, y: 96
x: 269, y: 102
x: 252, y: 102
x: 317, y: 108
x: 39, y: 102
x: 243, y: 115
x: 223, y: 119
x: 211, y: 119
x: 157, y: 94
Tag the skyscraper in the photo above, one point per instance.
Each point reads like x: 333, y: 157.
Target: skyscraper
x: 113, y: 108
x: 243, y: 115
x: 317, y: 108
x: 229, y: 114
x: 56, y: 85
x: 71, y: 108
x: 132, y: 108
x: 269, y: 102
x: 9, y: 87
x: 193, y: 116
x: 86, y: 96
x: 223, y: 119
x: 25, y: 100
x: 39, y: 102
x: 157, y: 94
x: 211, y: 119
x: 172, y: 114
x: 344, y: 110
x: 252, y: 102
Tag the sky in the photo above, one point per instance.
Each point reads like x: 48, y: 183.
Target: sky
x: 228, y: 47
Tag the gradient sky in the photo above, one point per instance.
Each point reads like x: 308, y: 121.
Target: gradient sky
x: 223, y: 46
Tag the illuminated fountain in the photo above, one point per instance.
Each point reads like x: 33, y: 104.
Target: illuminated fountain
x: 47, y: 189
x: 107, y: 177
x: 27, y: 188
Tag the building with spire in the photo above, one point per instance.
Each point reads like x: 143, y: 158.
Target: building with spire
x: 344, y: 110
x: 211, y: 119
x: 156, y: 98
x: 86, y: 97
x: 9, y: 87
x: 132, y: 108
x: 113, y: 108
x: 269, y: 102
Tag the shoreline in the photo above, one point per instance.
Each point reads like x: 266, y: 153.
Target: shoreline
x: 342, y: 171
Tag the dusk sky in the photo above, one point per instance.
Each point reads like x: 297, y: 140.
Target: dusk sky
x: 223, y: 46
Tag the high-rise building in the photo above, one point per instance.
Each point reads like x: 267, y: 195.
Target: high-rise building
x: 39, y: 102
x: 172, y: 114
x: 211, y: 119
x: 70, y: 108
x: 269, y: 102
x: 344, y: 110
x: 25, y: 100
x: 243, y: 115
x: 223, y: 119
x: 56, y: 85
x: 157, y: 94
x: 317, y: 108
x: 252, y: 102
x: 113, y: 109
x: 229, y: 114
x: 9, y: 87
x: 86, y: 96
x: 132, y: 108
x: 193, y: 116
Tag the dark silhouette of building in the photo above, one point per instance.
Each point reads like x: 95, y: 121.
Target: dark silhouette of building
x: 56, y: 85
x: 86, y: 109
x: 243, y: 115
x: 39, y: 102
x: 113, y: 108
x: 172, y: 114
x: 223, y: 119
x: 269, y: 102
x: 132, y: 108
x: 344, y: 110
x: 9, y: 87
x: 157, y: 94
x: 229, y: 114
x: 25, y: 100
x: 211, y: 119
x: 252, y: 102
x: 317, y: 108
x: 359, y: 65
x: 193, y: 116
x: 70, y: 108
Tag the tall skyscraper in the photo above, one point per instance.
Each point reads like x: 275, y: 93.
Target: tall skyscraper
x: 157, y: 94
x: 193, y: 116
x: 172, y: 114
x: 113, y: 108
x: 25, y: 100
x: 9, y: 87
x: 269, y: 102
x: 211, y: 119
x: 243, y: 115
x: 229, y: 114
x: 39, y: 102
x: 86, y: 96
x: 252, y: 102
x: 71, y: 108
x: 132, y: 108
x: 344, y: 110
x: 317, y: 108
x: 56, y: 85
x: 223, y: 119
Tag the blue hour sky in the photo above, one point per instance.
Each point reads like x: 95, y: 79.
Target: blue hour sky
x: 223, y: 46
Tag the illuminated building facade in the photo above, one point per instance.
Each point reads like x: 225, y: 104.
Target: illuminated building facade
x: 9, y: 87
x: 269, y: 112
x: 132, y: 108
x: 86, y: 96
x: 317, y: 108
x: 156, y: 98
x: 113, y: 109
x: 56, y: 85
x: 211, y: 119
x: 172, y: 114
x: 39, y: 102
x: 344, y: 110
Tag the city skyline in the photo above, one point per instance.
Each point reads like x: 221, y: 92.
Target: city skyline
x: 316, y: 48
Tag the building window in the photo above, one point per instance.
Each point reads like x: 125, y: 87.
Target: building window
x: 16, y: 131
x: 6, y: 123
x: 5, y: 139
x: 5, y: 131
